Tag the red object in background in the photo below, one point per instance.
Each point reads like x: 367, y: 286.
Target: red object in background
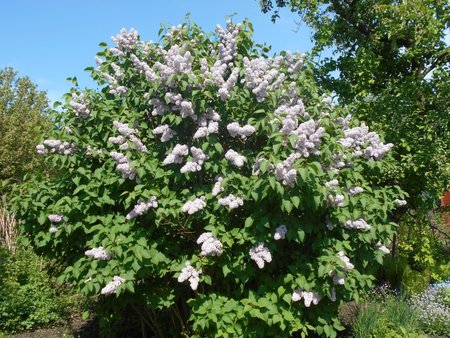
x: 445, y: 207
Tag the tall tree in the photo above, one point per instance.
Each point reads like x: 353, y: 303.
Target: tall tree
x: 394, y: 70
x: 23, y: 118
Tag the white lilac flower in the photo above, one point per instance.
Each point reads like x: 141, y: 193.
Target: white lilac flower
x: 231, y: 201
x: 355, y: 191
x: 336, y: 279
x: 143, y: 68
x: 192, y: 207
x: 165, y: 132
x: 210, y: 245
x: 400, y: 202
x: 142, y: 207
x: 56, y: 218
x: 55, y: 146
x: 117, y: 140
x: 236, y: 130
x: 177, y: 60
x: 336, y: 200
x: 159, y: 108
x: 308, y: 297
x: 81, y: 105
x: 217, y: 189
x: 309, y: 138
x: 347, y: 265
x: 260, y: 254
x: 280, y: 232
x: 285, y: 171
x: 359, y: 224
x: 126, y: 41
x: 53, y: 229
x: 332, y: 184
x: 98, y: 253
x: 123, y: 165
x: 177, y: 155
x: 190, y: 274
x: 124, y: 129
x: 112, y: 286
x: 235, y: 159
x: 383, y: 248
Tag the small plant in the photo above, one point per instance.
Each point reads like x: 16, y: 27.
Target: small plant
x: 433, y: 309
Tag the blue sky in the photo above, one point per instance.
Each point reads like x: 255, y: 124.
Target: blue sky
x: 50, y: 40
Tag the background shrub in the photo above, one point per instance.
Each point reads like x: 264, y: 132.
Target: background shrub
x: 213, y: 189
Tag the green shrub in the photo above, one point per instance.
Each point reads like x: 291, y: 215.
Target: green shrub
x: 29, y: 297
x: 211, y: 188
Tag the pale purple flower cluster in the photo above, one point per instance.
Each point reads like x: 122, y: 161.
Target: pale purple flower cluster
x: 159, y: 107
x: 98, y: 253
x: 308, y: 297
x: 217, y: 189
x: 114, y: 87
x: 165, y: 131
x: 179, y: 152
x: 400, y: 203
x: 359, y: 224
x: 364, y: 143
x: 285, y: 171
x: 199, y: 157
x: 235, y: 159
x: 210, y: 245
x: 337, y: 280
x: 183, y: 106
x: 53, y: 229
x: 80, y: 104
x: 112, y: 286
x: 280, y: 232
x: 355, y: 191
x: 228, y: 85
x: 227, y: 45
x: 126, y: 41
x: 127, y: 133
x: 142, y: 207
x: 55, y: 146
x: 309, y: 137
x: 331, y: 185
x: 296, y: 63
x: 336, y: 200
x: 123, y: 165
x: 231, y: 201
x: 176, y: 61
x: 143, y: 68
x: 347, y: 265
x: 191, y: 274
x: 383, y: 248
x: 191, y: 207
x: 260, y: 254
x: 56, y: 218
x: 118, y: 73
x: 208, y: 124
x: 236, y: 130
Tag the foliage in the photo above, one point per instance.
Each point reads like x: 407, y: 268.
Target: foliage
x: 393, y: 67
x: 28, y: 297
x: 282, y: 190
x: 23, y: 119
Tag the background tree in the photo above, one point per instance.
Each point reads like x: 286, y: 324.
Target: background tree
x: 23, y: 119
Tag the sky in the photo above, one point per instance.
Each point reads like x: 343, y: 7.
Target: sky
x: 50, y: 40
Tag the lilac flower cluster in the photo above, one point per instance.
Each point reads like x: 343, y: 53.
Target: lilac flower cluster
x: 176, y: 61
x: 260, y: 254
x: 143, y: 68
x: 355, y: 191
x: 400, y: 203
x: 199, y: 157
x: 179, y: 152
x: 191, y: 274
x: 383, y: 248
x: 217, y: 189
x: 364, y: 143
x: 165, y: 131
x: 359, y: 224
x: 210, y: 245
x: 124, y: 165
x: 80, y: 104
x: 227, y: 45
x: 280, y: 232
x: 235, y: 159
x: 56, y: 218
x: 208, y: 124
x: 231, y: 201
x: 55, y: 146
x: 142, y: 207
x: 98, y: 253
x: 112, y: 286
x: 236, y: 130
x: 285, y: 171
x: 125, y: 41
x: 127, y: 133
x: 191, y: 207
x: 159, y: 107
x: 114, y: 87
x: 308, y: 297
x: 183, y: 106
